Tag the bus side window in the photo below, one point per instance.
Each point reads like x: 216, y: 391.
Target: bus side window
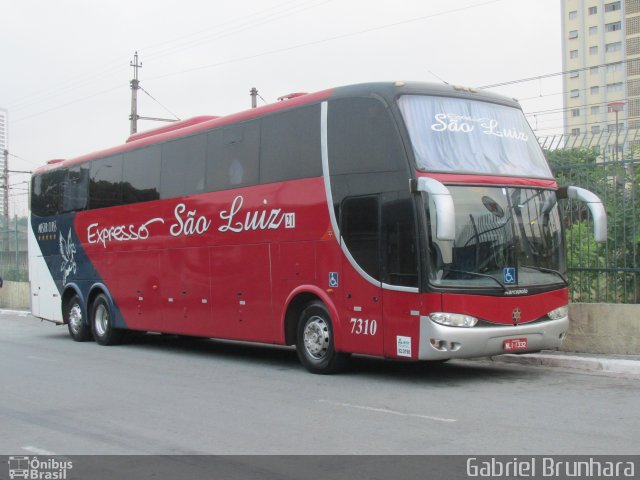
x: 105, y: 182
x: 75, y: 189
x: 141, y: 175
x: 232, y: 156
x: 183, y: 166
x: 45, y: 194
x: 360, y: 228
x: 363, y: 138
x: 290, y: 145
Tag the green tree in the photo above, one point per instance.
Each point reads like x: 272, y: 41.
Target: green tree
x: 606, y: 272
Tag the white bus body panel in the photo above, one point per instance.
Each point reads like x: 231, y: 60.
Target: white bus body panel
x: 45, y: 298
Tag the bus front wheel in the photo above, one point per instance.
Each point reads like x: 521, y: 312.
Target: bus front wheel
x: 78, y: 328
x: 102, y: 322
x: 315, y: 341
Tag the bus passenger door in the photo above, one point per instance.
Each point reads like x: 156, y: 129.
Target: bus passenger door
x: 400, y: 274
x: 361, y: 318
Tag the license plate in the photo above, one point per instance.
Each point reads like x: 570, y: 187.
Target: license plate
x: 515, y: 344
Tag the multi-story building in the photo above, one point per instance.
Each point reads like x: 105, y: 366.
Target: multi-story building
x: 601, y: 53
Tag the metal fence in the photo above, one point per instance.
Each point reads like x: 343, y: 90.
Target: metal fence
x: 607, y: 272
x: 13, y: 250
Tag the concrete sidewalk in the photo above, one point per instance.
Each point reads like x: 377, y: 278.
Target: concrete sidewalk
x: 606, y: 364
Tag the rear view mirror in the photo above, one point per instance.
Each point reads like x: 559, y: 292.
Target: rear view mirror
x: 445, y: 210
x: 595, y: 207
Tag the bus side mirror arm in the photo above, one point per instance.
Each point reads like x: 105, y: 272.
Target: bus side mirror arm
x: 445, y: 210
x: 595, y: 207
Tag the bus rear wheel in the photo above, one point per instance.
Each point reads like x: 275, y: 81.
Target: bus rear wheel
x: 73, y: 317
x: 315, y: 341
x: 102, y: 322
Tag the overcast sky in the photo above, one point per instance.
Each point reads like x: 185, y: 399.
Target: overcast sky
x: 65, y: 63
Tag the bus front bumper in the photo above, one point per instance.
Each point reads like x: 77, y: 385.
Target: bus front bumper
x: 440, y: 342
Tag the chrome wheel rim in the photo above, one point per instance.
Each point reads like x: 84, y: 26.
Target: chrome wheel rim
x: 316, y: 337
x: 75, y: 318
x: 102, y: 320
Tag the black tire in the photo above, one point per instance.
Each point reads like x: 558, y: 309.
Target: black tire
x: 79, y: 328
x: 315, y: 341
x: 102, y: 327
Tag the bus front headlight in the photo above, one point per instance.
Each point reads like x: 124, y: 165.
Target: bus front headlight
x: 453, y: 319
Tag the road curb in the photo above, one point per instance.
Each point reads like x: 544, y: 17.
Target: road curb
x: 626, y: 366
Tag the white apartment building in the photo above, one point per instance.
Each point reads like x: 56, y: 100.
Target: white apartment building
x: 601, y: 52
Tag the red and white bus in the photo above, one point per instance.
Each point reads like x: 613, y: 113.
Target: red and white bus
x: 403, y: 220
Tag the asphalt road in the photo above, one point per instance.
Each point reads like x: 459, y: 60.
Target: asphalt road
x: 163, y: 395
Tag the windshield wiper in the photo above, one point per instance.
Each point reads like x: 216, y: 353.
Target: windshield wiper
x: 476, y: 274
x: 548, y: 270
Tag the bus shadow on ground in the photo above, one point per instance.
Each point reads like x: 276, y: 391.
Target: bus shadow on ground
x: 281, y: 358
x: 285, y: 358
x: 444, y: 373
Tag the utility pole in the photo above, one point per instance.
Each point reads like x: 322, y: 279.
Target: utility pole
x: 5, y: 203
x: 135, y: 85
x: 254, y: 97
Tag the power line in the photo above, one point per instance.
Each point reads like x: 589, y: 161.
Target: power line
x: 23, y: 159
x: 271, y: 52
x: 244, y: 25
x: 154, y: 99
x: 43, y: 95
x: 577, y: 126
x: 583, y: 124
x: 555, y: 74
x: 115, y: 65
x: 328, y: 39
x: 81, y: 99
x: 564, y: 92
x: 566, y: 109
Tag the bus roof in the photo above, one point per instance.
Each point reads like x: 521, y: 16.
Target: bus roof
x: 171, y: 127
x: 388, y: 90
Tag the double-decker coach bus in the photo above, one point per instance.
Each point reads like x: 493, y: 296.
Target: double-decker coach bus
x: 403, y: 220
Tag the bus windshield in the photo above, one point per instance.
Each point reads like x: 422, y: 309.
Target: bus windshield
x: 456, y: 135
x: 505, y: 237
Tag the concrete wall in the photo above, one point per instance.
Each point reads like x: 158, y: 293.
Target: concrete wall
x: 594, y: 328
x: 603, y: 328
x: 15, y: 295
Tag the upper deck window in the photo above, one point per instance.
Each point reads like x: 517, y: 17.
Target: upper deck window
x: 464, y: 136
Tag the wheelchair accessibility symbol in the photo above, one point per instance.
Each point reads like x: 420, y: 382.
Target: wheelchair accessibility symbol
x: 509, y: 274
x: 333, y: 279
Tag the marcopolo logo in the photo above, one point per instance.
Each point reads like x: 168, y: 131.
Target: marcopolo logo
x: 35, y: 469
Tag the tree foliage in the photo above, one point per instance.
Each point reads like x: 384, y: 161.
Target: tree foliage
x: 606, y: 272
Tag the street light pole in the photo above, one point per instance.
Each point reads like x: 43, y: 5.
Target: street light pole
x: 616, y: 107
